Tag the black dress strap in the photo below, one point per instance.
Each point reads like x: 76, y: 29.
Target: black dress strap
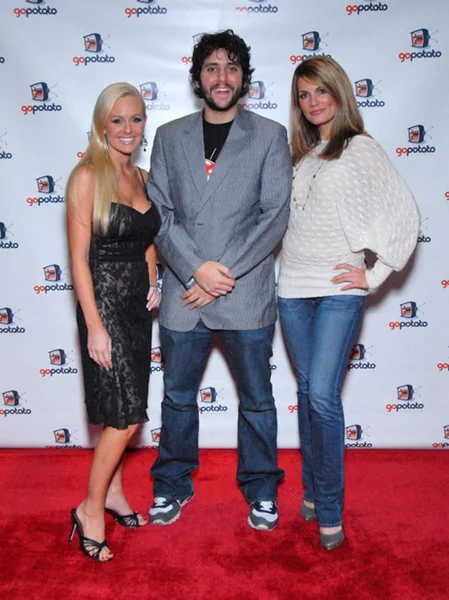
x: 141, y: 176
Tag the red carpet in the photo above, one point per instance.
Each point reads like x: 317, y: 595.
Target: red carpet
x: 396, y: 521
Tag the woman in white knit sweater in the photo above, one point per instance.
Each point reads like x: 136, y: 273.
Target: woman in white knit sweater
x: 346, y: 197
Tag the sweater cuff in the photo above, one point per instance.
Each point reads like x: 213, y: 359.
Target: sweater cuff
x: 377, y: 275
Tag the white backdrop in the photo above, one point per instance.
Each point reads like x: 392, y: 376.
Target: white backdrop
x: 55, y: 58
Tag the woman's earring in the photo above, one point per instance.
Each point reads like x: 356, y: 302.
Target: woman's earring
x: 144, y: 143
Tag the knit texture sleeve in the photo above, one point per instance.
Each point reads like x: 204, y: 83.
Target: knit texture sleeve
x: 376, y: 209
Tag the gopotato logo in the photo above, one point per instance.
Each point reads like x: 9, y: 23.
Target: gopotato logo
x: 93, y: 44
x: 423, y: 238
x: 156, y: 435
x: 357, y: 9
x: 404, y: 394
x: 4, y: 243
x: 148, y: 10
x: 420, y: 39
x: 416, y: 135
x: 40, y: 93
x: 38, y: 10
x: 11, y: 400
x: 256, y: 94
x: 58, y: 361
x: 46, y: 185
x: 157, y: 364
x: 208, y: 396
x: 358, y: 358
x: 7, y: 321
x: 53, y: 273
x: 445, y: 283
x: 260, y: 9
x: 440, y: 366
x: 150, y: 94
x: 4, y: 155
x: 354, y: 435
x: 311, y: 41
x: 62, y: 438
x: 409, y: 311
x: 445, y: 444
x: 365, y: 88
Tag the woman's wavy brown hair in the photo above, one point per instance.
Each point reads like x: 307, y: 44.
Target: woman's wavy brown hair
x: 348, y: 121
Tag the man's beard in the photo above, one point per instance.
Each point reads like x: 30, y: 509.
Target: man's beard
x: 211, y: 103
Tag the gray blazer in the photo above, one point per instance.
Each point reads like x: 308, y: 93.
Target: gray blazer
x: 236, y: 218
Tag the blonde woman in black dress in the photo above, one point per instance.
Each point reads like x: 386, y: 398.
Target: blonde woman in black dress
x: 111, y: 227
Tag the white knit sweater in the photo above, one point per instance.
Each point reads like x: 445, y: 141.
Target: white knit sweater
x: 355, y: 203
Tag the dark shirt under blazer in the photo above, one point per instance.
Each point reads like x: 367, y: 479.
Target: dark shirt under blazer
x: 236, y: 218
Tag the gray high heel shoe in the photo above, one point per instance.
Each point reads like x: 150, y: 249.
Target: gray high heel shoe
x: 330, y: 541
x: 308, y: 513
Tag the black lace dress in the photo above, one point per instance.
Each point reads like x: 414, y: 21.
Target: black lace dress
x: 118, y: 397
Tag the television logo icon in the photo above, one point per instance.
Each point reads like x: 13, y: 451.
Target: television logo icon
x: 405, y: 392
x: 420, y: 38
x: 416, y: 134
x: 257, y: 90
x: 11, y: 398
x: 364, y: 88
x: 354, y: 432
x: 446, y: 432
x: 149, y: 91
x: 197, y: 38
x: 57, y: 357
x: 52, y: 273
x: 156, y: 435
x: 35, y: 1
x: 40, y: 91
x: 408, y: 310
x: 358, y: 352
x: 311, y: 40
x: 45, y: 184
x: 4, y: 234
x: 208, y: 394
x: 6, y: 316
x: 62, y: 436
x: 93, y: 42
x: 156, y: 354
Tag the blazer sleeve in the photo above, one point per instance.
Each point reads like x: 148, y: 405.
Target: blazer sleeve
x: 247, y: 252
x: 172, y: 239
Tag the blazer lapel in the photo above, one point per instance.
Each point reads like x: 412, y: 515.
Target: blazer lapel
x: 238, y: 137
x: 192, y: 142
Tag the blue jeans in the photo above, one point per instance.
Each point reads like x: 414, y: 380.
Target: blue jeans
x: 319, y: 333
x: 185, y: 355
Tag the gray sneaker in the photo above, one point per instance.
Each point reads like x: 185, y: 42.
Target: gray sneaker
x: 165, y: 511
x: 263, y: 515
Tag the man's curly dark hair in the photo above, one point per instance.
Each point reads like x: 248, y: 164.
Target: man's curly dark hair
x: 236, y: 49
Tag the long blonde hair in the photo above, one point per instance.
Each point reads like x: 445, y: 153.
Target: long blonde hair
x: 97, y: 155
x: 348, y: 121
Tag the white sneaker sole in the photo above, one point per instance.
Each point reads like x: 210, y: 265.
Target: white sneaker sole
x: 261, y: 527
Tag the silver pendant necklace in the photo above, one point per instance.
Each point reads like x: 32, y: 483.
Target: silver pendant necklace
x: 310, y: 187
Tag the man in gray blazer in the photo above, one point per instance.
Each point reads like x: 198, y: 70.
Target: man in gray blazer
x: 221, y: 181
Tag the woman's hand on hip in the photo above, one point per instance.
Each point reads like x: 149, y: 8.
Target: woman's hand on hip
x: 99, y: 346
x: 354, y: 277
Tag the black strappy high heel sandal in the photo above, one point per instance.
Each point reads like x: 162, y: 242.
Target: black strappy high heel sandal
x: 91, y: 548
x: 129, y: 521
